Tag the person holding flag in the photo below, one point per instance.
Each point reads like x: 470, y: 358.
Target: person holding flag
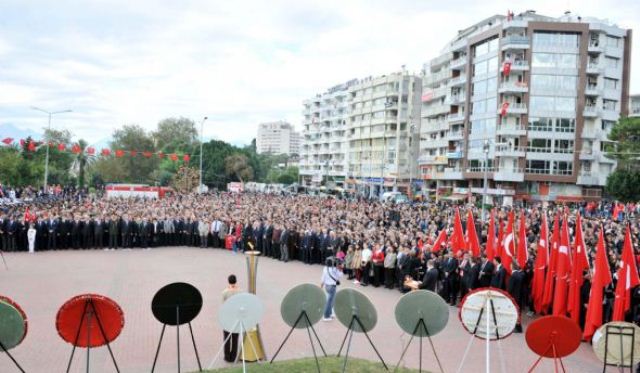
x: 601, y: 278
x: 627, y: 276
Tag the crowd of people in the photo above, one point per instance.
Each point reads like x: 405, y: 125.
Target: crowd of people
x: 379, y: 244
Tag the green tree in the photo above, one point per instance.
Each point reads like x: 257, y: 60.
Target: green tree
x: 237, y: 166
x: 186, y: 179
x: 138, y: 169
x: 176, y: 135
x: 623, y: 183
x: 108, y: 170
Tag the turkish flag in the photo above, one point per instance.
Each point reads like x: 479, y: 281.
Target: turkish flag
x: 147, y: 154
x: 562, y: 272
x: 456, y: 240
x: 490, y: 247
x: 442, y: 239
x: 174, y: 157
x: 506, y: 68
x: 508, y: 244
x: 580, y: 264
x: 627, y: 279
x: 523, y: 253
x: 32, y: 146
x: 106, y: 152
x: 62, y: 147
x: 472, y: 237
x: 186, y: 158
x: 503, y: 110
x: 76, y: 149
x: 542, y: 259
x: 119, y: 153
x: 7, y: 140
x: 550, y: 277
x: 601, y: 279
x: 91, y: 151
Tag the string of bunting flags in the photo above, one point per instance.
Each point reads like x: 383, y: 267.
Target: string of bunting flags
x: 33, y: 146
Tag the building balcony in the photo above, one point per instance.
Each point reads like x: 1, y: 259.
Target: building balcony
x: 587, y: 178
x: 587, y: 155
x: 511, y: 130
x: 595, y: 47
x: 602, y: 158
x: 455, y: 136
x: 433, y: 159
x: 452, y: 174
x: 510, y: 152
x: 517, y: 87
x: 458, y: 80
x: 515, y: 109
x: 455, y: 99
x: 514, y: 42
x: 514, y: 24
x: 455, y: 155
x: 588, y: 133
x: 592, y: 90
x: 455, y: 118
x: 509, y: 174
x: 591, y: 111
x: 458, y: 63
x: 434, y: 143
x: 594, y: 68
x: 520, y: 65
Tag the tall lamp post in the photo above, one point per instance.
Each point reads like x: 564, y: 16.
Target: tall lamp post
x: 46, y: 159
x: 485, y: 149
x: 201, y: 140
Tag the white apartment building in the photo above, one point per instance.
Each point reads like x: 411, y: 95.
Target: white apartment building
x: 277, y: 138
x: 530, y: 100
x: 383, y: 133
x: 323, y: 141
x: 363, y: 135
x: 634, y: 105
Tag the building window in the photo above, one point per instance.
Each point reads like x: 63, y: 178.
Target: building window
x: 538, y: 167
x: 566, y: 40
x: 613, y: 41
x: 562, y: 168
x: 609, y: 105
x: 610, y: 83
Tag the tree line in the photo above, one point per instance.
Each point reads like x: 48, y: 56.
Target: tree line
x: 222, y: 162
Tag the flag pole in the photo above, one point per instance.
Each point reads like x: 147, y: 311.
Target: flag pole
x: 488, y: 338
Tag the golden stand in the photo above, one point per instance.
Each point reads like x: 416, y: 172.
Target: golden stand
x: 252, y: 337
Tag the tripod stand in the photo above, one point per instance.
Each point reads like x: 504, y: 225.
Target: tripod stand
x: 350, y: 331
x: 11, y: 357
x: 420, y: 326
x: 488, y: 304
x: 303, y: 313
x: 89, y: 313
x: 242, y: 347
x: 155, y: 359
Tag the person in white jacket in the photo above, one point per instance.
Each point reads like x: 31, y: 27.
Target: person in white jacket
x: 31, y: 238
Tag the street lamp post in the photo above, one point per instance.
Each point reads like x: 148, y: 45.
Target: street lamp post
x: 46, y: 159
x: 485, y: 148
x: 201, y: 141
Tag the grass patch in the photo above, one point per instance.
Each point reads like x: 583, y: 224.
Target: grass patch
x: 308, y: 365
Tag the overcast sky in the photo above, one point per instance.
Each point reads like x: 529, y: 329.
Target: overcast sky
x: 238, y: 62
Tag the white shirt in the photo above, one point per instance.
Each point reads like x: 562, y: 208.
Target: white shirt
x: 366, y: 255
x: 329, y: 272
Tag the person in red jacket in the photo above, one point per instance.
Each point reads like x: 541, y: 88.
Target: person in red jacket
x: 378, y: 265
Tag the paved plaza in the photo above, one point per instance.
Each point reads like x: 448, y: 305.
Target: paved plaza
x: 42, y: 282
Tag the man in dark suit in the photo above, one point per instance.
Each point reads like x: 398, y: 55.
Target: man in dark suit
x: 66, y: 224
x: 323, y: 246
x: 486, y: 272
x: 500, y: 274
x: 76, y: 228
x: 11, y: 230
x: 450, y: 270
x: 86, y: 233
x: 466, y: 275
x: 52, y: 232
x: 98, y: 232
x: 145, y: 229
x: 305, y: 247
x: 157, y: 229
x: 125, y: 232
x: 42, y: 234
x: 516, y: 290
x: 114, y: 228
x: 266, y: 238
x: 430, y: 277
x: 275, y: 245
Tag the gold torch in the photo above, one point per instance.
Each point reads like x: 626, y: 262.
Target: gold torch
x: 252, y: 337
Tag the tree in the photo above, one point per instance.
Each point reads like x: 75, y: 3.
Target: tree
x: 237, y: 166
x: 80, y: 162
x: 138, y: 169
x: 626, y: 134
x: 623, y: 185
x: 108, y: 170
x: 185, y: 180
x: 176, y: 135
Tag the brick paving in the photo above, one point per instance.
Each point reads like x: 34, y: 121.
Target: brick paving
x: 42, y: 282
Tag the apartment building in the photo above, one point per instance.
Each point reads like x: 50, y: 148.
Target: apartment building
x: 527, y: 101
x: 277, y: 138
x: 634, y: 105
x: 363, y: 135
x: 323, y: 147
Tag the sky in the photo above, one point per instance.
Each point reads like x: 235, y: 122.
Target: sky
x: 239, y: 63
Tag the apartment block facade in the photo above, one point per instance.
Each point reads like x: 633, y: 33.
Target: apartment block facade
x: 634, y: 105
x: 527, y: 101
x: 363, y: 135
x: 277, y: 138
